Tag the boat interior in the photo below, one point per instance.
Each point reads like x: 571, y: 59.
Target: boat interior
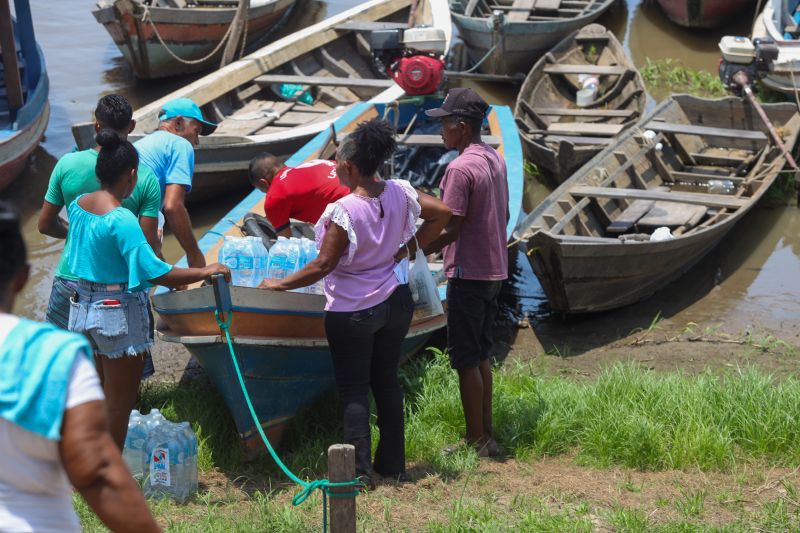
x: 671, y: 171
x: 785, y: 18
x: 200, y: 3
x: 530, y: 10
x: 551, y: 112
x: 315, y: 87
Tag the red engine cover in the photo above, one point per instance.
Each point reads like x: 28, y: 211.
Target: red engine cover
x: 418, y: 74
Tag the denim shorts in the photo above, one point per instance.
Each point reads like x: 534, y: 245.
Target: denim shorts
x: 116, y: 322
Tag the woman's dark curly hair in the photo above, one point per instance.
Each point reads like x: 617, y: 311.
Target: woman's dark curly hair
x: 369, y: 145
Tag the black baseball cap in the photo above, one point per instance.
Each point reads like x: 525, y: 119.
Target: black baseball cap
x: 462, y: 102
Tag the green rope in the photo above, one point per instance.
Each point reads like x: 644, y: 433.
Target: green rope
x: 308, y: 486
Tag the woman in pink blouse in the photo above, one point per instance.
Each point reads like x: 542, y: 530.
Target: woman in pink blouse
x: 369, y: 305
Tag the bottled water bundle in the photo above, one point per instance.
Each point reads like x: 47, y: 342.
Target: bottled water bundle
x: 287, y: 256
x: 247, y: 258
x: 162, y: 455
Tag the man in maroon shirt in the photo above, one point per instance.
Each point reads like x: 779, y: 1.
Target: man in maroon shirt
x: 302, y: 192
x: 475, y: 188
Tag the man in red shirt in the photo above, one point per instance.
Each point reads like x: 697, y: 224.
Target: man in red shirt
x: 301, y: 192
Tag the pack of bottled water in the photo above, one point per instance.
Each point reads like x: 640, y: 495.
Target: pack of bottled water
x: 161, y: 455
x: 288, y: 255
x: 247, y: 258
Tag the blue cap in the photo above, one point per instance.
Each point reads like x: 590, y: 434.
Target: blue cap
x: 185, y: 107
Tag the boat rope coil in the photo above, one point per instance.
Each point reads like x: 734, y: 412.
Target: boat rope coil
x: 147, y: 17
x: 308, y: 487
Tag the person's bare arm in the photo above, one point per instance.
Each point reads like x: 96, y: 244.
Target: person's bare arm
x: 180, y: 277
x: 333, y: 246
x: 179, y: 223
x: 435, y: 215
x: 50, y: 221
x: 96, y: 470
x: 448, y: 236
x: 149, y: 227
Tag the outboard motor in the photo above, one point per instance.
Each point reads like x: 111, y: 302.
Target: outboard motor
x: 752, y: 58
x: 413, y: 58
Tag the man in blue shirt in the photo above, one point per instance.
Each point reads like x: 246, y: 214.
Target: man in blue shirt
x: 169, y: 153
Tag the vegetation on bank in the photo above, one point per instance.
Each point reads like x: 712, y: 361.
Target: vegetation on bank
x: 627, y: 417
x: 667, y: 76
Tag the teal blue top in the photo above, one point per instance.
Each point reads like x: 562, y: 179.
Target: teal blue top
x: 111, y: 248
x: 35, y: 363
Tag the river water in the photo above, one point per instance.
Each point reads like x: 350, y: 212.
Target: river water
x: 752, y: 280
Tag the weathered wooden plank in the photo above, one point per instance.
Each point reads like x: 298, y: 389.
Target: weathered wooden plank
x: 436, y: 140
x: 717, y: 160
x: 673, y: 214
x: 577, y: 139
x: 585, y: 128
x: 696, y: 176
x: 521, y: 10
x: 330, y: 81
x: 366, y: 26
x: 690, y: 129
x: 567, y: 112
x: 548, y: 5
x: 630, y: 216
x: 709, y: 200
x: 599, y: 70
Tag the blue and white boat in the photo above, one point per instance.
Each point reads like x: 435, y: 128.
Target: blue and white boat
x: 279, y: 336
x: 24, y: 109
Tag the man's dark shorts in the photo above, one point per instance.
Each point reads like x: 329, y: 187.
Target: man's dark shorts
x: 471, y: 311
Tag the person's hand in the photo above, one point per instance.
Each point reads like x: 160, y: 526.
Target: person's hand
x: 196, y: 259
x: 217, y: 268
x: 271, y: 284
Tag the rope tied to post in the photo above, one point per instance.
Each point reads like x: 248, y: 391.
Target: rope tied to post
x: 308, y: 487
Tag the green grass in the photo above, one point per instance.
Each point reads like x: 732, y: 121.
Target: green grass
x: 667, y: 76
x: 628, y: 416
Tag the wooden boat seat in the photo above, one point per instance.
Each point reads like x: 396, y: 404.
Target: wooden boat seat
x: 436, y: 140
x: 368, y: 26
x: 583, y: 112
x: 720, y: 201
x: 672, y: 215
x: 690, y: 129
x: 598, y: 70
x: 331, y: 81
x: 585, y: 128
x: 630, y: 216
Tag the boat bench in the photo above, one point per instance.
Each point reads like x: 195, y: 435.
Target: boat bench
x: 330, y: 81
x: 719, y: 201
x: 368, y: 26
x: 436, y: 140
x: 689, y: 129
x: 585, y: 128
x: 598, y: 70
x: 584, y: 112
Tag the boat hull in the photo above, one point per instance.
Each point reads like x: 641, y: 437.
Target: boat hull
x: 703, y: 13
x: 191, y: 34
x: 583, y: 273
x: 517, y: 45
x: 17, y: 145
x: 784, y: 76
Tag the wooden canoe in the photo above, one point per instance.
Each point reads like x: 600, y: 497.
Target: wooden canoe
x: 557, y: 135
x: 151, y: 36
x: 510, y: 35
x: 331, y: 59
x: 589, y: 241
x: 703, y: 13
x: 24, y: 88
x: 279, y: 336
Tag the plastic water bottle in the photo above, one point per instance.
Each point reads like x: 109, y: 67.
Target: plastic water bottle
x: 237, y: 254
x: 163, y: 461
x: 133, y: 452
x: 154, y: 416
x: 280, y: 264
x: 191, y: 458
x: 721, y: 187
x: 261, y: 261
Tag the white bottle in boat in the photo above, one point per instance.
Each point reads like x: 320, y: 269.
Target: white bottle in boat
x: 311, y: 252
x: 261, y: 261
x: 283, y: 258
x: 133, y: 451
x: 721, y: 186
x: 239, y: 254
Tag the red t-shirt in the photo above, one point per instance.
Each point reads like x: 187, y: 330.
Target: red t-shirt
x: 303, y: 192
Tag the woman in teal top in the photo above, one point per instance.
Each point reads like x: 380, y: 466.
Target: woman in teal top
x: 115, y: 266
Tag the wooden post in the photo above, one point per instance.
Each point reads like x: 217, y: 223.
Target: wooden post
x: 10, y: 64
x: 342, y: 467
x: 239, y: 21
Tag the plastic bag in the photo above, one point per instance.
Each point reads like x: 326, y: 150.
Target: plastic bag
x: 423, y: 289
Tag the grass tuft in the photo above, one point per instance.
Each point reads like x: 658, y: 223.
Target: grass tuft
x: 666, y: 76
